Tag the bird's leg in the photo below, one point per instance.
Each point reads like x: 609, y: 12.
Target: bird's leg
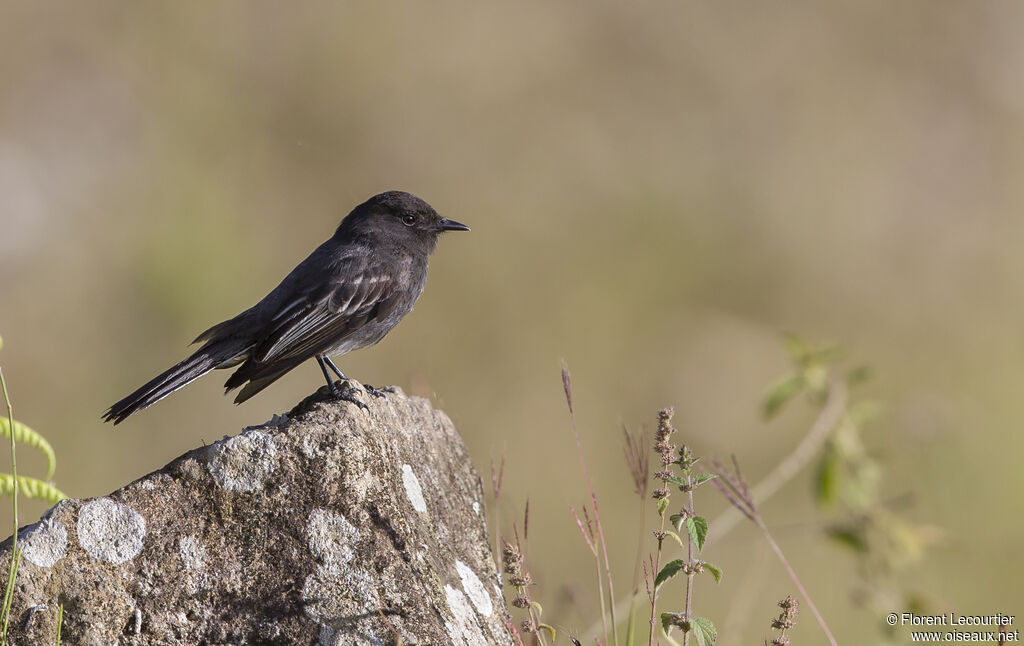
x: 330, y: 363
x: 376, y: 392
x: 346, y: 394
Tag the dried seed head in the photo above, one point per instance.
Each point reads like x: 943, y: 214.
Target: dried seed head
x: 520, y: 601
x: 658, y: 494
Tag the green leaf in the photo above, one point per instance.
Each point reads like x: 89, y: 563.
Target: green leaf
x: 676, y: 536
x: 671, y: 569
x: 550, y: 629
x: 715, y: 571
x: 698, y: 528
x: 704, y: 631
x: 780, y: 393
x: 826, y: 479
x: 662, y: 506
x: 677, y: 521
x: 1, y: 343
x: 701, y: 478
x: 668, y: 620
x: 25, y: 435
x: 31, y: 488
x: 540, y: 608
x: 852, y: 538
x: 795, y: 346
x: 676, y: 481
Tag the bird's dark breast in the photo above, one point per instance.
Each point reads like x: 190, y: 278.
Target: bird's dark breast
x: 387, y: 312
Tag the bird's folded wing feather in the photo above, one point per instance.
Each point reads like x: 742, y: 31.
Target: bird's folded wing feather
x: 316, y: 322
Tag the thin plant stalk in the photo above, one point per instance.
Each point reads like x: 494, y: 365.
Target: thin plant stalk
x: 567, y: 385
x: 734, y: 488
x: 689, y: 559
x: 654, y: 572
x: 13, y: 571
x: 60, y: 621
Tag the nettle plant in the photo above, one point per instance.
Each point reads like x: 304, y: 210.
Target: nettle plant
x: 687, y: 480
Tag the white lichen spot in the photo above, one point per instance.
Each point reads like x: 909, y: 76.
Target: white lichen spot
x: 463, y: 629
x: 412, y: 489
x: 476, y: 508
x: 244, y: 462
x: 44, y: 543
x: 110, y: 531
x: 148, y: 485
x: 475, y: 589
x: 192, y: 552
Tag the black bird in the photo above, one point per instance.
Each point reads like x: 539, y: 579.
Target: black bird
x: 346, y: 295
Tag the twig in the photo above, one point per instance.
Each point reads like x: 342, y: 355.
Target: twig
x: 734, y: 488
x: 828, y: 418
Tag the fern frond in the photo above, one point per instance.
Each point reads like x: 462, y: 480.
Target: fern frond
x: 31, y: 488
x: 26, y: 435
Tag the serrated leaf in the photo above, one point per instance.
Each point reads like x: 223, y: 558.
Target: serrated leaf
x: 675, y: 480
x: 780, y: 393
x: 704, y: 631
x: 678, y: 540
x: 25, y: 435
x: 826, y: 481
x: 715, y: 571
x: 671, y: 569
x: 701, y: 478
x: 662, y: 506
x: 31, y: 488
x: 677, y: 521
x: 550, y: 629
x: 697, y: 526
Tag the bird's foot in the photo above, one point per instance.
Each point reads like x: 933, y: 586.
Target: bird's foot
x: 346, y: 394
x: 378, y: 392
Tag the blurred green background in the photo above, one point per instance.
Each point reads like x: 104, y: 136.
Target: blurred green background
x: 656, y: 190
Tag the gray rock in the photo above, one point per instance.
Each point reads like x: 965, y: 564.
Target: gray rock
x: 328, y: 526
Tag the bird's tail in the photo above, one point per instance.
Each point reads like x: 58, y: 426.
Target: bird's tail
x: 208, y: 357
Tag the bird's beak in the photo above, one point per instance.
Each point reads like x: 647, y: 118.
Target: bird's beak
x: 452, y: 225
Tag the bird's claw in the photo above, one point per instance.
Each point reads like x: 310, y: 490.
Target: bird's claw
x: 378, y: 392
x: 346, y: 394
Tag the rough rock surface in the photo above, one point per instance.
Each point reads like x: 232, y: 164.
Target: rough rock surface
x: 331, y: 525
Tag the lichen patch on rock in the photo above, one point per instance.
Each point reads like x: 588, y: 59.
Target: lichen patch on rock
x: 475, y: 589
x: 413, y: 489
x: 110, y: 531
x: 244, y: 462
x: 44, y: 543
x: 463, y: 629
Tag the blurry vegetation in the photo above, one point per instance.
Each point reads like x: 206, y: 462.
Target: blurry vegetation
x: 846, y: 490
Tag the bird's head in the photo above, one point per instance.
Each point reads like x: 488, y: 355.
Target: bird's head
x: 398, y: 217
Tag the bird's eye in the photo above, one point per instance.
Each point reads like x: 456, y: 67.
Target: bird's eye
x: 408, y: 220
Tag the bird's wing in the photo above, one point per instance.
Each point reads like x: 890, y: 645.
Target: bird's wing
x: 362, y: 291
